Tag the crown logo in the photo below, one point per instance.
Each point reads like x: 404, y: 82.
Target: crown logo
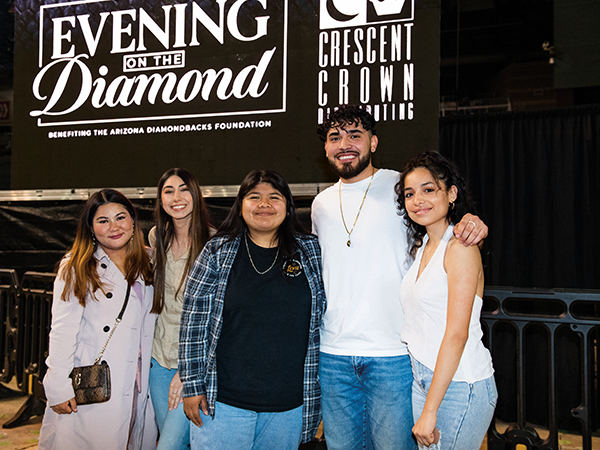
x: 387, y: 7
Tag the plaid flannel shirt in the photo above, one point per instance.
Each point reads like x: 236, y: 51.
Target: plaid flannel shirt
x: 202, y: 318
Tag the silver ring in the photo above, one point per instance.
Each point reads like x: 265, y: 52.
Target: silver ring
x: 474, y: 226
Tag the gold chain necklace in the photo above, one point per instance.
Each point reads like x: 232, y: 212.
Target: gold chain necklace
x: 359, y: 209
x: 252, y: 262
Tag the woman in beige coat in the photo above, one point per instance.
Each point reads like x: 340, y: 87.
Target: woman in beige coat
x: 89, y: 291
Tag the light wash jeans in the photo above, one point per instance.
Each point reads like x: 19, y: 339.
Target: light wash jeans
x: 241, y: 429
x: 465, y: 413
x: 366, y: 402
x: 174, y: 426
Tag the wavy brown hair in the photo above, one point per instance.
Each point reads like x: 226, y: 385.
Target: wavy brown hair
x: 79, y: 267
x: 199, y: 233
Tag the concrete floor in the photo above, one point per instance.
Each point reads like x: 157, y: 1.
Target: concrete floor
x: 26, y: 436
x: 19, y: 438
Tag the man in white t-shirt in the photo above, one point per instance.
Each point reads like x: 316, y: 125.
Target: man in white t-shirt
x: 364, y: 368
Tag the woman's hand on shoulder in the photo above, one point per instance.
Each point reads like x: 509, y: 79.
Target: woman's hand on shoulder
x: 65, y: 407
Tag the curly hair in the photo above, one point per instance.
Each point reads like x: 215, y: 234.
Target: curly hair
x: 346, y: 115
x: 446, y: 175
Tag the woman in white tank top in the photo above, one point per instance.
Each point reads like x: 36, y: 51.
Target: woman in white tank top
x: 454, y: 393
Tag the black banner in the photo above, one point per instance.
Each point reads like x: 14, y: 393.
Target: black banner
x: 36, y: 234
x: 114, y: 92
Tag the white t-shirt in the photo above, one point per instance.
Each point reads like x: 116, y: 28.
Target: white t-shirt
x: 362, y: 282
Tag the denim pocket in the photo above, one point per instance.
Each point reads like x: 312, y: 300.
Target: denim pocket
x: 422, y: 375
x: 490, y: 384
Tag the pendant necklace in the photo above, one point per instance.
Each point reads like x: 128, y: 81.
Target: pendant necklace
x: 252, y: 262
x: 349, y: 243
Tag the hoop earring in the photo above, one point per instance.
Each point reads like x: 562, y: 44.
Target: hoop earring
x: 451, y: 205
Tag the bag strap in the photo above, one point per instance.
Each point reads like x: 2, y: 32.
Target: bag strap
x: 118, y: 320
x: 120, y: 316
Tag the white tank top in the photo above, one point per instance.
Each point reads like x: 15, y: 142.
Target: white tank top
x: 425, y: 304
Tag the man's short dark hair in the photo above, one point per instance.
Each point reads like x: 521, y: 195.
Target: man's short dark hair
x: 346, y: 115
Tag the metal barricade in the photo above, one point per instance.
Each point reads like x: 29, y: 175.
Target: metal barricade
x: 527, y: 331
x: 33, y: 328
x: 9, y: 293
x: 521, y: 326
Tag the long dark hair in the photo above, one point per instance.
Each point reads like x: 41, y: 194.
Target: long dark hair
x: 199, y: 233
x: 234, y: 223
x: 79, y: 271
x: 446, y: 175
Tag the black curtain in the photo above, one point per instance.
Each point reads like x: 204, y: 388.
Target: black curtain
x: 535, y: 176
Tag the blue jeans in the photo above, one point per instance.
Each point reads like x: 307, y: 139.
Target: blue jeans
x: 174, y: 426
x: 366, y: 402
x: 242, y: 429
x: 465, y: 413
